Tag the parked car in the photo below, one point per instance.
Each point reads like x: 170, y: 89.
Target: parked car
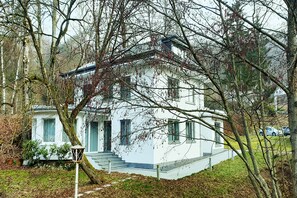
x: 271, y: 131
x: 286, y: 130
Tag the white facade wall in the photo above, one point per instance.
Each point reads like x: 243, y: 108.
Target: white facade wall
x: 149, y: 139
x: 82, y: 118
x: 140, y: 151
x: 166, y: 152
x: 208, y: 144
x: 38, y: 127
x: 141, y: 147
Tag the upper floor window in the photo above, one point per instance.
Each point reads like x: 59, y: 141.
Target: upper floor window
x: 173, y: 88
x: 125, y: 88
x: 107, y: 91
x: 166, y: 45
x: 217, y: 135
x: 190, y: 130
x: 191, y: 95
x: 125, y: 132
x: 173, y: 131
x: 49, y: 130
x: 87, y: 90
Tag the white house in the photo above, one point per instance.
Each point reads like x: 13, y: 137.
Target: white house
x: 152, y: 114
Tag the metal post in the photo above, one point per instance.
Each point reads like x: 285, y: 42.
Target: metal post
x: 232, y: 155
x: 210, y: 166
x: 109, y: 166
x: 76, y: 180
x: 158, y: 171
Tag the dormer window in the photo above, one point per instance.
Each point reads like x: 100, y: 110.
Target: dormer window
x: 167, y: 46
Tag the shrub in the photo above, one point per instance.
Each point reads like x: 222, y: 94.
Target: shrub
x: 63, y: 152
x: 53, y: 149
x: 33, y: 151
x: 10, y: 136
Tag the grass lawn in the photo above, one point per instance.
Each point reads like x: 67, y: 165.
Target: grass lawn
x: 223, y: 181
x: 44, y: 182
x: 227, y: 179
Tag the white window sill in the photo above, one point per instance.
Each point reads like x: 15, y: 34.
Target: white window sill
x: 190, y: 141
x: 174, y: 142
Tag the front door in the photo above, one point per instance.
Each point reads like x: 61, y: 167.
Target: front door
x: 92, y: 137
x: 107, y: 135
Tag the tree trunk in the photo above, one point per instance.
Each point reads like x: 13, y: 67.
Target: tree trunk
x: 25, y: 72
x: 292, y: 85
x: 90, y: 171
x: 54, y: 33
x: 3, y: 79
x: 14, y: 91
x: 68, y: 125
x: 25, y: 85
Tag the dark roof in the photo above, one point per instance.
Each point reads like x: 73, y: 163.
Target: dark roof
x: 84, y: 69
x: 137, y: 52
x: 44, y: 108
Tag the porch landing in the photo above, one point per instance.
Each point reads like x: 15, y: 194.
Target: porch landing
x: 183, y: 170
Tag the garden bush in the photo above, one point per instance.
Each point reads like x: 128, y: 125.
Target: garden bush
x: 34, y: 152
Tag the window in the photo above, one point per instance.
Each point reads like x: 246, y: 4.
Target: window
x: 191, y: 95
x: 65, y: 137
x: 217, y: 131
x: 190, y: 130
x: 173, y: 88
x: 34, y: 127
x: 107, y: 92
x: 125, y: 132
x: 87, y: 89
x: 49, y: 130
x: 166, y: 45
x: 173, y: 131
x: 125, y: 88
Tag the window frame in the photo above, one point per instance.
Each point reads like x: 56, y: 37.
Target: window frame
x: 87, y: 89
x: 45, y: 137
x: 190, y: 131
x: 107, y: 93
x: 125, y: 90
x: 173, y: 137
x: 125, y: 132
x: 173, y: 88
x: 191, y: 95
x: 217, y: 137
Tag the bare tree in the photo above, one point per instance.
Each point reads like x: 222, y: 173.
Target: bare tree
x: 208, y: 37
x: 105, y: 22
x: 3, y: 78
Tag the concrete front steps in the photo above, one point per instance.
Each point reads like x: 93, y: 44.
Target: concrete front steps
x: 101, y: 160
